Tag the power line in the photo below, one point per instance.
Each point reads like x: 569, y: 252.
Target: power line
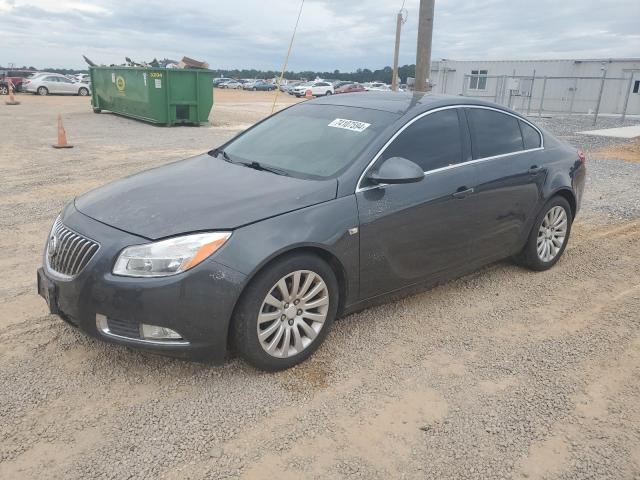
x: 286, y: 60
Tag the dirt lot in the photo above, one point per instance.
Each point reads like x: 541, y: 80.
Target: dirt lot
x: 504, y: 373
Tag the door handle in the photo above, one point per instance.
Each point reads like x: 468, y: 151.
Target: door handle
x: 535, y: 169
x: 462, y: 192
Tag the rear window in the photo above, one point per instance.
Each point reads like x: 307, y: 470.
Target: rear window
x: 530, y: 136
x: 493, y: 133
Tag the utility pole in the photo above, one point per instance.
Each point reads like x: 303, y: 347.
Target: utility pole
x: 423, y: 52
x: 401, y: 18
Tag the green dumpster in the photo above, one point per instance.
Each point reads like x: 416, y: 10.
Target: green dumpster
x: 159, y: 95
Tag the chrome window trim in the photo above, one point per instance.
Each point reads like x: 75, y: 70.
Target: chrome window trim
x: 456, y: 165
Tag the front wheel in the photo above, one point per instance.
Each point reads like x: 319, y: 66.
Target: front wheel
x: 548, y: 237
x: 328, y: 93
x: 4, y: 90
x: 286, y: 312
x: 83, y: 92
x: 42, y: 91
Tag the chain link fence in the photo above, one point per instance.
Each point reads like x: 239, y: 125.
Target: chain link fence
x: 533, y: 95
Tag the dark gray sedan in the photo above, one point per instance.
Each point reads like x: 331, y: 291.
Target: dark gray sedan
x: 320, y: 210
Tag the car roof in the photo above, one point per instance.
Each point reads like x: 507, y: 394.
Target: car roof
x: 400, y: 102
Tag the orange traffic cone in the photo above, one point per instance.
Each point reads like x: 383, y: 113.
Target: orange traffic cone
x: 308, y: 94
x: 12, y: 100
x: 62, y: 136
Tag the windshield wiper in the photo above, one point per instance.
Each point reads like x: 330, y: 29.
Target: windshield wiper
x: 265, y: 168
x: 255, y: 165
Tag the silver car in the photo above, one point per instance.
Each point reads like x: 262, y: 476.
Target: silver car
x: 55, y: 83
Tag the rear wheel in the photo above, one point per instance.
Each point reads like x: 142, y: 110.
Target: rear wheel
x: 42, y: 91
x: 328, y: 93
x: 548, y: 237
x: 4, y: 90
x: 286, y: 312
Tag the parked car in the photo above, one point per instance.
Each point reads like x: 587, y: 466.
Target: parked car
x: 55, y: 83
x: 249, y: 84
x: 341, y: 83
x: 263, y: 86
x: 376, y: 87
x: 218, y: 81
x: 231, y: 84
x: 317, y: 88
x: 271, y: 236
x: 16, y: 77
x: 286, y: 87
x: 350, y: 88
x: 82, y: 77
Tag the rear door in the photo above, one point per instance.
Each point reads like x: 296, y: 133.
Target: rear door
x: 416, y: 231
x: 51, y: 83
x: 506, y: 151
x: 67, y: 86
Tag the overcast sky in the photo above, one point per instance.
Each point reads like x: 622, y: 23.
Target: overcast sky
x: 333, y: 34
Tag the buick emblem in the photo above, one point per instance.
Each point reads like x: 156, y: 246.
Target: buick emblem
x: 52, y: 250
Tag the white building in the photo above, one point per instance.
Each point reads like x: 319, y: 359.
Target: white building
x: 571, y: 86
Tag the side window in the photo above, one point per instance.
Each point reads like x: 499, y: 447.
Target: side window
x: 51, y: 79
x: 493, y: 133
x: 530, y: 136
x: 431, y: 142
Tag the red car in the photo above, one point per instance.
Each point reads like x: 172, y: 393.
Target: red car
x: 350, y: 88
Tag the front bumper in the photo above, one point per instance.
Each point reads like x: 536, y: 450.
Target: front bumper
x: 198, y: 304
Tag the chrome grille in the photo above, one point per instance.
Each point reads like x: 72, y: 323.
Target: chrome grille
x: 68, y: 252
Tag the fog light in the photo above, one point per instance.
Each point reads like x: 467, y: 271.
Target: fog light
x: 153, y: 332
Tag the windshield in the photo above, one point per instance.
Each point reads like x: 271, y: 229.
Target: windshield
x: 310, y: 140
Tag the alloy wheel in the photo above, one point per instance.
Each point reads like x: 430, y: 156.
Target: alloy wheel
x: 293, y: 313
x: 552, y: 234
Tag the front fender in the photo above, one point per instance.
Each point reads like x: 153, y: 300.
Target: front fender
x: 324, y: 226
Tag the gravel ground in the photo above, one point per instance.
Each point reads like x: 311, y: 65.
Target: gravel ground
x: 504, y: 373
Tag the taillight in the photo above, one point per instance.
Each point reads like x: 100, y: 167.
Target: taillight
x: 581, y: 156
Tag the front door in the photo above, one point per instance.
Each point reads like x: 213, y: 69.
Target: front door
x: 417, y: 231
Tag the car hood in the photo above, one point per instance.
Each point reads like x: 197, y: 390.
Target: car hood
x: 200, y: 193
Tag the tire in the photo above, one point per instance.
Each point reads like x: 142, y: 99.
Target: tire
x: 254, y: 89
x: 4, y: 90
x: 327, y: 93
x: 529, y: 256
x: 281, y: 328
x: 83, y: 92
x: 97, y: 110
x: 42, y: 91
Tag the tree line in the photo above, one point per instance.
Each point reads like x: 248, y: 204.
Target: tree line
x: 361, y: 75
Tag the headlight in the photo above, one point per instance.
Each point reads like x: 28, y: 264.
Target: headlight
x: 168, y: 257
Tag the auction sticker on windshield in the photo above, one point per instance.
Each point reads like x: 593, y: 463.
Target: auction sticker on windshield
x: 352, y: 125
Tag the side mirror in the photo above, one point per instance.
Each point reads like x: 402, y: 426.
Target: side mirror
x: 396, y: 170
